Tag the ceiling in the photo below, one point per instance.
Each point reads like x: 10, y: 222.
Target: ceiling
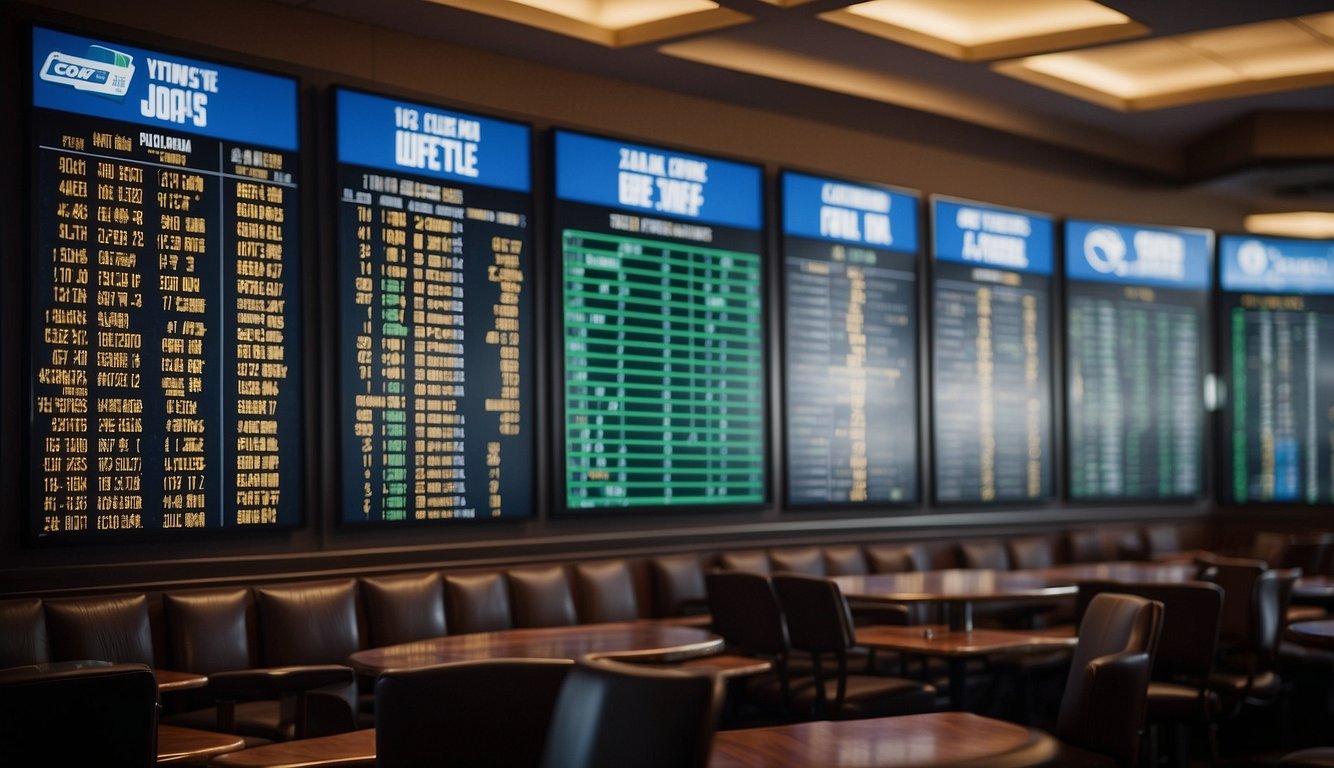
x: 786, y: 58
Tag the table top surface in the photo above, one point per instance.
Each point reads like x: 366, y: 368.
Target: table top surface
x: 911, y: 741
x: 354, y: 749
x: 951, y: 585
x: 189, y: 745
x: 1122, y: 570
x: 640, y: 640
x: 1318, y: 633
x: 939, y: 640
x: 169, y: 680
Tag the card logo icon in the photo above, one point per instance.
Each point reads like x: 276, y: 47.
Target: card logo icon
x: 102, y: 71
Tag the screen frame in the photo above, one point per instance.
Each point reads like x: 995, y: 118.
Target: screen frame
x: 919, y: 324
x: 1206, y: 309
x: 560, y: 508
x: 30, y: 537
x: 336, y: 444
x: 1225, y: 368
x: 1055, y: 290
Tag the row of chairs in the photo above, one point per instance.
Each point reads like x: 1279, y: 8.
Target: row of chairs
x: 503, y: 713
x: 1101, y: 711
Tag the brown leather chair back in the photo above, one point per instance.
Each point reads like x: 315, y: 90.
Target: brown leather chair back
x: 678, y: 584
x: 474, y: 714
x: 804, y: 560
x: 308, y: 623
x: 750, y: 562
x: 845, y: 561
x: 745, y: 612
x: 985, y: 554
x: 1029, y: 552
x: 541, y: 597
x: 1162, y: 539
x: 1086, y: 546
x: 1188, y: 640
x: 1103, y: 706
x: 114, y: 629
x: 478, y: 602
x: 210, y: 631
x: 606, y: 592
x: 99, y: 715
x: 610, y: 713
x: 896, y: 558
x: 401, y: 609
x: 23, y: 637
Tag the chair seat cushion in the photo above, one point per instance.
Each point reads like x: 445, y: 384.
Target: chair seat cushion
x: 1176, y: 702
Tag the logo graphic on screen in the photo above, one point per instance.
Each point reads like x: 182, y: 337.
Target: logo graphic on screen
x: 1105, y: 251
x: 1253, y: 257
x: 102, y: 71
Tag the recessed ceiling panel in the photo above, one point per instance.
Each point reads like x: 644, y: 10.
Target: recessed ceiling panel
x: 973, y: 30
x: 613, y: 23
x: 1265, y: 57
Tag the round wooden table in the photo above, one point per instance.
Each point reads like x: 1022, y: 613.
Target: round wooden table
x: 936, y: 740
x: 1316, y: 634
x: 640, y: 640
x: 957, y: 589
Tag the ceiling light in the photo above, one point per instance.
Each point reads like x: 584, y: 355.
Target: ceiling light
x: 973, y: 30
x: 1312, y: 224
x: 613, y: 23
x: 901, y: 90
x: 1265, y: 57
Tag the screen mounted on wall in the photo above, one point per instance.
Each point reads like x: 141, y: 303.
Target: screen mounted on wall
x: 850, y: 255
x: 1136, y: 303
x: 1277, y: 341
x: 662, y: 326
x: 991, y: 352
x: 165, y: 376
x: 435, y: 300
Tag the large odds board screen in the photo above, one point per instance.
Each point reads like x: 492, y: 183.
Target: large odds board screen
x: 662, y: 326
x: 991, y: 349
x: 849, y: 342
x: 164, y: 353
x: 436, y: 330
x: 1136, y: 303
x: 1277, y: 340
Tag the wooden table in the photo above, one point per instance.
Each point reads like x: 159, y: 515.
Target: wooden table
x: 957, y: 589
x: 190, y: 746
x: 355, y: 749
x: 1318, y: 590
x: 1133, y: 572
x: 1316, y: 634
x: 936, y: 740
x: 956, y: 647
x: 632, y: 640
x: 169, y: 681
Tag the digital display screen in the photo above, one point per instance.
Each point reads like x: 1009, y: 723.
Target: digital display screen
x: 662, y: 326
x: 165, y: 358
x: 1277, y: 311
x: 991, y: 347
x: 1136, y: 302
x: 850, y: 341
x: 436, y: 322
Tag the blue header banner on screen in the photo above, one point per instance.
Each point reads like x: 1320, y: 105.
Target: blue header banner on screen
x: 1274, y: 265
x: 110, y: 80
x: 1164, y: 257
x: 856, y: 214
x: 991, y: 236
x: 415, y: 138
x: 656, y: 181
